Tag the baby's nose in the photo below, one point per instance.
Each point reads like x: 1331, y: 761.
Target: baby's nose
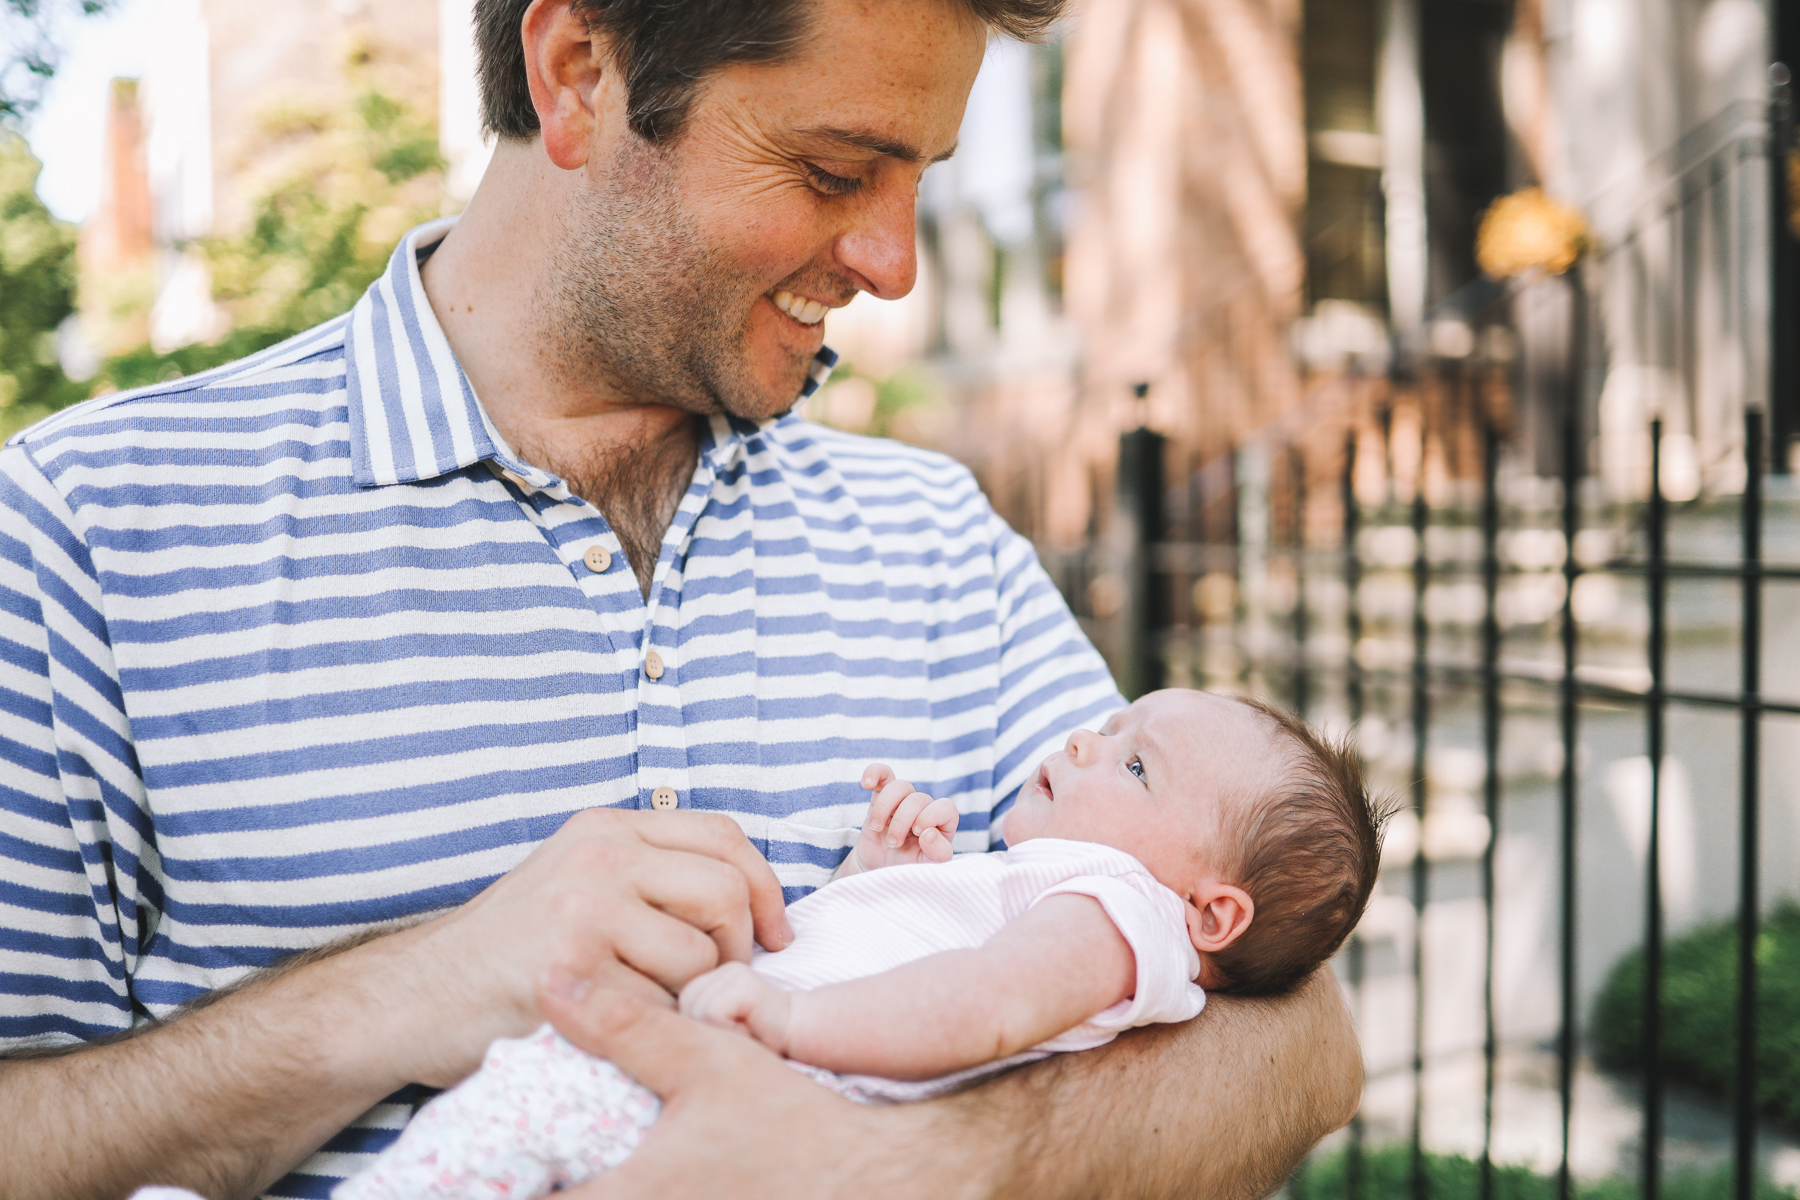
x: 1078, y: 741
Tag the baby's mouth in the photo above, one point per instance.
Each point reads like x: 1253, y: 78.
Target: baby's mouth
x: 1043, y: 783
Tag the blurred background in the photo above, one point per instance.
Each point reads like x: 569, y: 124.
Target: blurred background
x: 1428, y: 366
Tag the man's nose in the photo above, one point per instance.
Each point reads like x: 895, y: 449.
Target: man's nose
x: 881, y: 249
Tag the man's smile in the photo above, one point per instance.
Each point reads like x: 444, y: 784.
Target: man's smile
x: 807, y: 312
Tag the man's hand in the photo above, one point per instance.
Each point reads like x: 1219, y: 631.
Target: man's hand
x: 902, y: 826
x: 738, y: 1122
x: 670, y: 895
x: 1222, y: 1107
x: 229, y: 1096
x: 734, y: 997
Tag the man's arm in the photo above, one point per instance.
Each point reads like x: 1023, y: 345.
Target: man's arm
x: 1220, y: 1108
x: 229, y: 1096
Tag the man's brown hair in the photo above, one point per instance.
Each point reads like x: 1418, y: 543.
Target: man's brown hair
x: 667, y: 48
x: 1309, y: 851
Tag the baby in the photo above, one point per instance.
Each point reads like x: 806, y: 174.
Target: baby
x: 1196, y: 841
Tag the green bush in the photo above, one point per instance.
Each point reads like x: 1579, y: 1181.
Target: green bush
x: 37, y: 290
x: 1699, y: 1011
x: 1387, y: 1175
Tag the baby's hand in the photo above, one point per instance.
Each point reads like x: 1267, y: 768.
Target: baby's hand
x: 903, y: 826
x: 735, y: 997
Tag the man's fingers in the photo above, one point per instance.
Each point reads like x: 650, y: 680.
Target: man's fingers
x: 665, y: 949
x: 712, y: 896
x: 719, y: 838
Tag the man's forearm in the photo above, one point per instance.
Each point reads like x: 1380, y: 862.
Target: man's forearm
x: 223, y: 1099
x: 1220, y: 1108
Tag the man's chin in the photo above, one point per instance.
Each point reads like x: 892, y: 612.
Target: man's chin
x: 772, y: 390
x: 760, y: 408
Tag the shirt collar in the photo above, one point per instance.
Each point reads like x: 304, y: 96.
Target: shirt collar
x: 413, y: 415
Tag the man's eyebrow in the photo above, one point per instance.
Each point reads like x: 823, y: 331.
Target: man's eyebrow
x: 867, y: 139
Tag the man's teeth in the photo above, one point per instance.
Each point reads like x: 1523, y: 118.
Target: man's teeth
x: 807, y: 312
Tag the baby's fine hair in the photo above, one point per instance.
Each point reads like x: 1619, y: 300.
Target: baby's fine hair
x: 1309, y: 849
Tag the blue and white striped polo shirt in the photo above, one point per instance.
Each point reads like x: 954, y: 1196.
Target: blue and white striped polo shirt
x: 299, y: 644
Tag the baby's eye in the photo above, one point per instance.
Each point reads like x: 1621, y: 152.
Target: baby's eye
x: 1136, y: 766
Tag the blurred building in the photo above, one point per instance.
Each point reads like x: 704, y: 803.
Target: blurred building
x: 1234, y: 222
x: 1267, y: 211
x: 191, y: 143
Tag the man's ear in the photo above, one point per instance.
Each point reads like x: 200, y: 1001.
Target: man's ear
x: 1217, y: 915
x: 565, y: 65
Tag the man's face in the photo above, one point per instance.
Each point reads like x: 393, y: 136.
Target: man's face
x: 697, y: 273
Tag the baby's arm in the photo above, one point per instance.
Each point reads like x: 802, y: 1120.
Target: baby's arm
x: 1043, y: 974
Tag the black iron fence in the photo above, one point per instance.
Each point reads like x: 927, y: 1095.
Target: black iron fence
x: 1520, y: 624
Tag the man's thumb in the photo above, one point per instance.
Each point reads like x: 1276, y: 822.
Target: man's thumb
x: 615, y: 1020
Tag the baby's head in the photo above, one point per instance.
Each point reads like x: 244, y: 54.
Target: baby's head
x: 1264, y: 828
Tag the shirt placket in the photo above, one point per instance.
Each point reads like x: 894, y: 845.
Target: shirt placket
x: 663, y: 783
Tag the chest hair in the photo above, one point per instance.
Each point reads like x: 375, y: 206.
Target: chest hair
x: 637, y: 486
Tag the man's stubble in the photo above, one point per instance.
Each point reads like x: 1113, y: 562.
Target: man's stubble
x: 641, y: 301
x: 640, y: 298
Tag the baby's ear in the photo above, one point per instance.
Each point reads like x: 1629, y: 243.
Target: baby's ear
x: 1217, y: 915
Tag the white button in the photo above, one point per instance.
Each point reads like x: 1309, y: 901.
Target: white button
x: 663, y: 798
x: 597, y: 559
x: 653, y: 666
x: 512, y: 478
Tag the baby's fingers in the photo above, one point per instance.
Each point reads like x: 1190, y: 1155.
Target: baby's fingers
x: 906, y: 819
x: 882, y: 809
x: 876, y: 774
x: 941, y: 815
x: 934, y: 845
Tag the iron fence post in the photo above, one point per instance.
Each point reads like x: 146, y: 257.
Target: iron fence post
x: 1657, y: 579
x: 1353, y: 699
x: 1784, y: 257
x: 1568, y: 701
x: 1421, y: 720
x: 1143, y: 614
x: 1749, y: 874
x: 1490, y: 736
x: 1297, y: 476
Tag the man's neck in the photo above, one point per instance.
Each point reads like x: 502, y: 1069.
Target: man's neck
x: 631, y: 459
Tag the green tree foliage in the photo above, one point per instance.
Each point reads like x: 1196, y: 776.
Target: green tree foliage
x: 338, y: 188
x: 1386, y: 1173
x: 37, y: 290
x: 1699, y: 1011
x: 28, y: 47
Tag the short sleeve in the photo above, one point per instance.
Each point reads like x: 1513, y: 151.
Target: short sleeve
x: 1052, y: 680
x: 70, y: 894
x: 1151, y: 919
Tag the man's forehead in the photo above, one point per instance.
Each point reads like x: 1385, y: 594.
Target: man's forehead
x: 887, y: 77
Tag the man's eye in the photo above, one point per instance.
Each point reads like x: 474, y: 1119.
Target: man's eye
x: 1136, y: 767
x: 836, y: 185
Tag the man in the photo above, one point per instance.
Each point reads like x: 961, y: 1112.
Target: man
x: 302, y: 651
